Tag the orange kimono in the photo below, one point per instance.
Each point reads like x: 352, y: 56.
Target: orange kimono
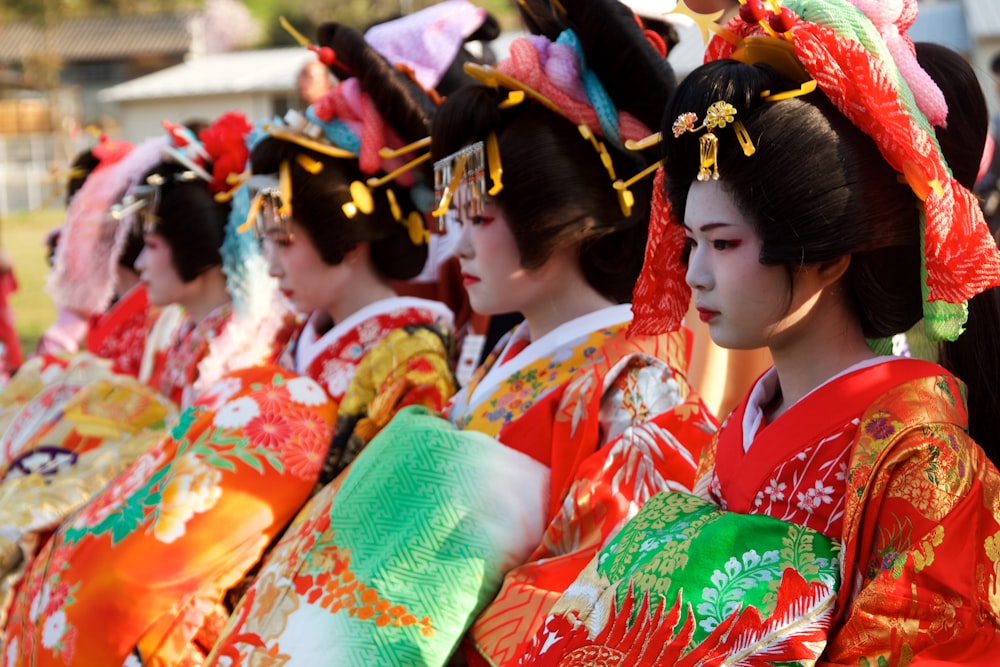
x: 148, y: 559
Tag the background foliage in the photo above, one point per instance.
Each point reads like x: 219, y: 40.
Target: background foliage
x: 304, y: 15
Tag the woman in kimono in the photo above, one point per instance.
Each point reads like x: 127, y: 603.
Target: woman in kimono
x: 151, y: 538
x: 548, y: 449
x: 335, y: 243
x: 250, y: 450
x: 843, y: 515
x: 71, y: 423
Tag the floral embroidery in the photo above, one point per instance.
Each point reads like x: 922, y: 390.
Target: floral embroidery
x: 889, y: 552
x: 305, y: 391
x: 880, y: 428
x: 119, y: 490
x: 219, y: 393
x: 329, y: 582
x: 270, y: 430
x: 732, y: 583
x: 236, y: 414
x: 819, y: 494
x: 193, y: 489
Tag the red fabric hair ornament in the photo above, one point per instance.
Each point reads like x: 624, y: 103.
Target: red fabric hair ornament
x: 225, y: 142
x: 863, y: 65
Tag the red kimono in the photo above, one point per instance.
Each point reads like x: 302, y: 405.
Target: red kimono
x: 120, y: 333
x: 877, y: 462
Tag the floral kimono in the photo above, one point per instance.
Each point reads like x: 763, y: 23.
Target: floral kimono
x: 120, y: 333
x: 82, y: 425
x: 71, y: 424
x: 861, y: 527
x: 175, y: 361
x: 142, y: 564
x: 211, y: 497
x: 393, y: 562
x: 390, y: 354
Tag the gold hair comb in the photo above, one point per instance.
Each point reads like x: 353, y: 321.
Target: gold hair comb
x: 718, y: 115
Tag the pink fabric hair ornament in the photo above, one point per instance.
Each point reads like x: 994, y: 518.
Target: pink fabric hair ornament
x: 83, y: 271
x: 552, y: 69
x: 427, y: 41
x: 853, y: 61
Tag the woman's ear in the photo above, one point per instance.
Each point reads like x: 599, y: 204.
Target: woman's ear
x: 833, y: 270
x: 357, y: 253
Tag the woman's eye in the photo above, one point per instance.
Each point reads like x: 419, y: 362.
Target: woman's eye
x: 482, y: 219
x: 724, y: 244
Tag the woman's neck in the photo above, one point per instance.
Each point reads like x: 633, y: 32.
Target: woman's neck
x: 210, y: 294
x: 362, y: 294
x: 576, y: 299
x: 831, y: 344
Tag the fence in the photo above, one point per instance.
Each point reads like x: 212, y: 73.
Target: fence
x: 27, y: 162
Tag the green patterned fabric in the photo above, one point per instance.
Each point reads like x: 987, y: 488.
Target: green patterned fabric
x: 427, y: 513
x: 717, y: 562
x: 392, y: 567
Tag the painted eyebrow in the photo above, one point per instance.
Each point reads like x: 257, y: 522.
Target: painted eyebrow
x: 709, y: 226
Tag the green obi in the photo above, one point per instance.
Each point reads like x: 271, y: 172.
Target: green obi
x: 685, y: 578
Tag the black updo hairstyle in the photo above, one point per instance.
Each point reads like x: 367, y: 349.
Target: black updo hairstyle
x: 190, y: 220
x: 816, y: 189
x: 975, y: 356
x: 317, y: 198
x: 82, y: 167
x: 555, y: 189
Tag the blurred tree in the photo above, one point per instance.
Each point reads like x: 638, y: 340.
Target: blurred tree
x: 359, y: 14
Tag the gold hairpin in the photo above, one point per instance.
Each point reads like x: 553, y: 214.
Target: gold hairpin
x: 718, y: 115
x: 625, y: 197
x: 467, y: 168
x: 279, y: 132
x: 385, y: 152
x: 518, y: 91
x: 361, y: 200
x: 378, y: 181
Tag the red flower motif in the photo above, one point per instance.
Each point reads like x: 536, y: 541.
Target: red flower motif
x: 270, y: 430
x: 303, y: 457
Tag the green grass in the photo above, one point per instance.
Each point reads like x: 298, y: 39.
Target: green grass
x: 23, y: 237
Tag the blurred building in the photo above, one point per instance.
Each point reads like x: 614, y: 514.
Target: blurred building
x: 259, y: 83
x: 89, y: 54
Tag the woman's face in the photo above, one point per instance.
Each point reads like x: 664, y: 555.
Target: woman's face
x: 306, y: 281
x: 745, y: 303
x: 156, y: 270
x: 491, y: 266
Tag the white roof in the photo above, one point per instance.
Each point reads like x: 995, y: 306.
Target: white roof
x: 264, y: 70
x: 943, y: 23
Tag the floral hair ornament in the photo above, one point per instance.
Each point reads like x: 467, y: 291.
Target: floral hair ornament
x: 718, y: 115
